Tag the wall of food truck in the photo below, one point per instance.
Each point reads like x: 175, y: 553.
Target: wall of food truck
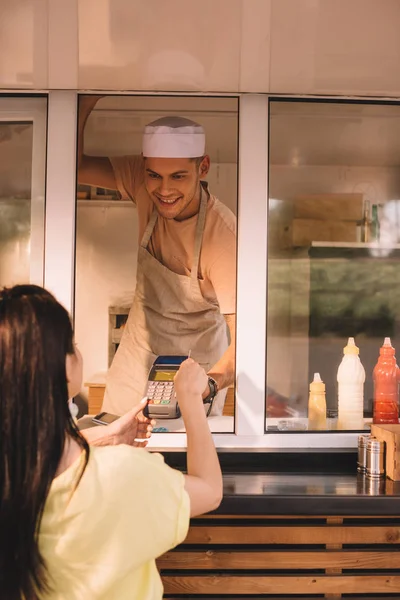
x: 350, y: 151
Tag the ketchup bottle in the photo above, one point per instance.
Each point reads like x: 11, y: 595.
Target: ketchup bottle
x: 386, y: 385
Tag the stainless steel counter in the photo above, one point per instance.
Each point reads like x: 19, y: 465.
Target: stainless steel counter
x: 309, y: 494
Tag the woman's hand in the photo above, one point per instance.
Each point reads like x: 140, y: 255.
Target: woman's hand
x: 190, y: 381
x: 132, y: 426
x: 133, y: 429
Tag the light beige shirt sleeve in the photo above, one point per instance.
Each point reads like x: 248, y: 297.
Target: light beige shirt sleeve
x: 129, y: 174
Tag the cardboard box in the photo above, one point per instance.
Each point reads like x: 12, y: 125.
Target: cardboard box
x: 306, y: 231
x: 391, y: 435
x: 328, y: 207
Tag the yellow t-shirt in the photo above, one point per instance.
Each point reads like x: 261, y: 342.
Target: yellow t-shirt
x: 100, y: 539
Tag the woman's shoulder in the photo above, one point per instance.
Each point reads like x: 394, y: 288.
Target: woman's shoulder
x: 115, y: 458
x: 122, y: 452
x: 131, y: 474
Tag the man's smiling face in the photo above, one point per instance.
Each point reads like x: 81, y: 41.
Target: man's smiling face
x: 173, y: 184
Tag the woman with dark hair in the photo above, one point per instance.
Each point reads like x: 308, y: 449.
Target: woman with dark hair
x: 78, y: 523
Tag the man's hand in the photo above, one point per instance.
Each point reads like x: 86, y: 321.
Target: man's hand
x: 133, y: 429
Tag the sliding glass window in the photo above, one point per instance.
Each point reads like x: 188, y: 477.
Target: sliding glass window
x: 333, y: 255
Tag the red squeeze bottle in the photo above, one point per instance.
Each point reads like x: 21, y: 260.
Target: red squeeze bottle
x: 386, y: 385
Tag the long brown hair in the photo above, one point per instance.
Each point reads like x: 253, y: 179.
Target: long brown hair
x: 35, y: 337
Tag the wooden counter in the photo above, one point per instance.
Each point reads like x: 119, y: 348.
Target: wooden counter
x: 327, y: 556
x: 294, y: 535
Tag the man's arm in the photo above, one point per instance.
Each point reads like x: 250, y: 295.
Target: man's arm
x: 92, y: 170
x: 224, y: 370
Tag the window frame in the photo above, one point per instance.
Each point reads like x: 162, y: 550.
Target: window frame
x: 249, y: 432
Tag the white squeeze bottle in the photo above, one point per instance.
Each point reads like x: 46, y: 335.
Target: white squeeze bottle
x: 350, y: 378
x: 317, y: 404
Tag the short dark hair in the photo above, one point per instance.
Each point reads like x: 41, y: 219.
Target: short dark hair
x: 198, y: 160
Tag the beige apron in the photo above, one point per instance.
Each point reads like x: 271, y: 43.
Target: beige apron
x: 169, y: 315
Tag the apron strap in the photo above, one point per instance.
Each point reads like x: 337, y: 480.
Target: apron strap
x: 149, y: 229
x: 201, y: 220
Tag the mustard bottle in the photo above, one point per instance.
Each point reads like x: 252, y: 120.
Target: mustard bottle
x: 317, y: 404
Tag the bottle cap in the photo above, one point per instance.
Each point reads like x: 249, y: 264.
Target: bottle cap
x: 317, y: 385
x: 387, y: 349
x: 351, y: 347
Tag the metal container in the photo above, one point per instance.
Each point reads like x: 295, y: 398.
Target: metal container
x: 375, y: 459
x: 367, y: 486
x: 375, y: 486
x: 362, y: 452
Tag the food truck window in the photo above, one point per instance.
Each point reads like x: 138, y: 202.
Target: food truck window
x: 333, y: 252
x: 22, y: 188
x: 107, y: 231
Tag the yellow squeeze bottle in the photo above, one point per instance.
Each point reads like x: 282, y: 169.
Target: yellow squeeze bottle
x: 317, y: 404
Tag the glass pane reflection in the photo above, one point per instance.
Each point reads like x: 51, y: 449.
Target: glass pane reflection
x: 333, y: 244
x: 313, y: 484
x: 16, y: 142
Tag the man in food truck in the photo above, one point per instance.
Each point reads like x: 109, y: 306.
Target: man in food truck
x: 184, y: 299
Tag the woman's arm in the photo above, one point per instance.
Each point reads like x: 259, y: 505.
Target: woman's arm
x: 203, y: 481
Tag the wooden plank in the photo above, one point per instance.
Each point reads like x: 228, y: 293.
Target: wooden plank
x: 297, y: 534
x: 337, y: 570
x: 305, y: 584
x: 215, y: 559
x: 330, y: 546
x: 95, y: 397
x: 390, y: 434
x: 95, y: 385
x: 334, y: 520
x: 379, y: 597
x: 213, y: 517
x: 229, y: 406
x: 169, y: 597
x: 94, y: 405
x: 296, y: 518
x: 97, y: 392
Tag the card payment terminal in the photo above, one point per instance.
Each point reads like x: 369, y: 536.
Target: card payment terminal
x: 162, y: 403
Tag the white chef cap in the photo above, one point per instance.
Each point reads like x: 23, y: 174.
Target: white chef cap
x: 173, y: 137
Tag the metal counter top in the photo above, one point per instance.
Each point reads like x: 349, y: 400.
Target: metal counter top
x: 308, y: 494
x: 306, y: 482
